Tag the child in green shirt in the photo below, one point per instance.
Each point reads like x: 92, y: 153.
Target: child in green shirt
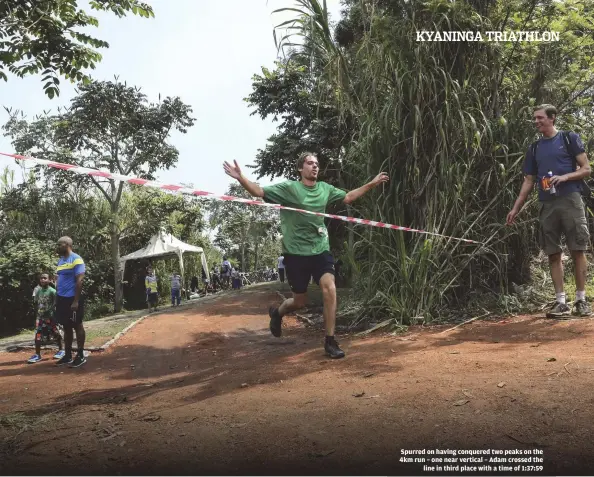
x: 47, y: 330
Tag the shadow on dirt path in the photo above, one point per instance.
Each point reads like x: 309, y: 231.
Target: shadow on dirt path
x: 209, y: 390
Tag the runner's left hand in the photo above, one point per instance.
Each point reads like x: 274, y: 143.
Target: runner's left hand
x: 558, y: 179
x: 74, y: 305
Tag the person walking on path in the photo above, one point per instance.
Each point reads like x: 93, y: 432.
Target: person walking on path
x: 553, y: 161
x: 176, y: 289
x: 281, y: 269
x: 152, y: 290
x: 305, y: 243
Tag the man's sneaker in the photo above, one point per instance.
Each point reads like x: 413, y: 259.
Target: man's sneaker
x: 34, y: 359
x: 60, y: 354
x: 581, y: 308
x: 559, y: 311
x: 64, y: 360
x: 78, y: 361
x: 276, y: 322
x: 332, y: 349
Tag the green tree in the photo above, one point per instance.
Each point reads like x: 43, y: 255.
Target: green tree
x: 306, y: 122
x: 32, y: 210
x: 243, y: 227
x: 112, y: 126
x: 449, y: 121
x: 20, y: 264
x: 43, y: 36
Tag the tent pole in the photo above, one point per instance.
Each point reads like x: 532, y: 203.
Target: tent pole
x: 181, y: 266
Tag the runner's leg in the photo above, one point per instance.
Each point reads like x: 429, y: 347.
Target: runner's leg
x: 298, y: 271
x: 298, y: 301
x: 324, y: 275
x: 328, y: 286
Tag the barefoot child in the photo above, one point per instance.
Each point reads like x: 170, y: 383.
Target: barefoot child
x: 47, y: 330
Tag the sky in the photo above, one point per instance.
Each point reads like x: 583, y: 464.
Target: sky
x: 205, y: 52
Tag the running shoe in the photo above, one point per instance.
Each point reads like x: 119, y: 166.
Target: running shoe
x: 332, y: 349
x: 60, y: 354
x: 581, y: 308
x: 276, y: 322
x: 64, y: 360
x: 34, y: 359
x: 559, y: 311
x: 78, y: 361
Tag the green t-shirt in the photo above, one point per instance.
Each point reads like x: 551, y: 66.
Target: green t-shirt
x: 45, y: 301
x: 303, y: 234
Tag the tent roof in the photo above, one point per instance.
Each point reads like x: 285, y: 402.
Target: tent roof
x: 160, y: 245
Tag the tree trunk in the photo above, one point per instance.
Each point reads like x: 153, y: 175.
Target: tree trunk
x: 114, y: 234
x: 243, y: 257
x: 117, y: 273
x: 256, y: 257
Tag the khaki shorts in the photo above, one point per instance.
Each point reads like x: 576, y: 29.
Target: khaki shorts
x: 563, y: 215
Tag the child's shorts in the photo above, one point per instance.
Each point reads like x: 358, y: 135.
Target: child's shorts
x: 47, y: 331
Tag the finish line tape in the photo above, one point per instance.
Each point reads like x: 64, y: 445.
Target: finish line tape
x: 200, y: 193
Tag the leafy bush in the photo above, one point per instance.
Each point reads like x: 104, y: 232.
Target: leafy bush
x: 20, y: 265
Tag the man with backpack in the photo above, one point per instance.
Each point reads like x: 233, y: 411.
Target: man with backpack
x: 553, y: 161
x: 226, y: 272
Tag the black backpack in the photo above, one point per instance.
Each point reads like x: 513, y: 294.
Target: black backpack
x: 583, y: 185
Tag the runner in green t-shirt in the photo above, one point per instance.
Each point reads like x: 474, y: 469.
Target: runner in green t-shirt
x: 305, y: 238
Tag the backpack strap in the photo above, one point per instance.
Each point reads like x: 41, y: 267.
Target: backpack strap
x: 569, y: 147
x: 533, y: 149
x: 584, y: 187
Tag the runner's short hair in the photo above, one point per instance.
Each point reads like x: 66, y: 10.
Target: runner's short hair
x: 302, y: 157
x: 549, y: 109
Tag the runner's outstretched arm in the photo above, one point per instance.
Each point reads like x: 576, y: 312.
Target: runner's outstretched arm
x: 356, y: 193
x: 234, y: 171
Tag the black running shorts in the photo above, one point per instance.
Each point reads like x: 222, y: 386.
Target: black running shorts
x: 300, y: 269
x: 65, y: 315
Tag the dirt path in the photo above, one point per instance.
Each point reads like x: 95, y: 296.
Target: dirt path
x: 208, y: 391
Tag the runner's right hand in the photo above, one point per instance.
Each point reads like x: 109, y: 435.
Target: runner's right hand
x: 232, y: 170
x: 511, y: 217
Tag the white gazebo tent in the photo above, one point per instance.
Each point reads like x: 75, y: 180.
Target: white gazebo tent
x: 162, y: 245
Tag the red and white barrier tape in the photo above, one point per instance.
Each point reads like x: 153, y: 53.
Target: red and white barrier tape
x: 201, y: 193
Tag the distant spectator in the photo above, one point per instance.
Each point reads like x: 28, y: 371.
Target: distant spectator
x: 236, y: 279
x: 215, y: 279
x: 194, y: 284
x: 175, y: 289
x: 205, y: 282
x: 281, y: 269
x: 152, y: 292
x: 226, y: 272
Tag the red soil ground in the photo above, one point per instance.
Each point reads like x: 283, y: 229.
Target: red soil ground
x: 209, y: 390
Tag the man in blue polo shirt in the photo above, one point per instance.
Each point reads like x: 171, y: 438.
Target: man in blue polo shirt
x: 558, y: 162
x: 69, y: 302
